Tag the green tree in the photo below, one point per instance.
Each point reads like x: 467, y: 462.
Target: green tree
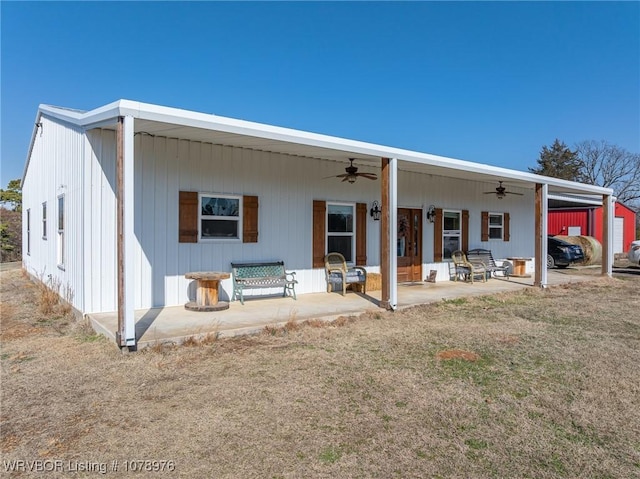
x: 10, y: 235
x: 12, y: 195
x: 11, y: 222
x: 558, y: 161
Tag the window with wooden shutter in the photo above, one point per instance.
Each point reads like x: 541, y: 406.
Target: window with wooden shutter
x: 212, y: 217
x: 188, y: 217
x: 250, y: 219
x: 361, y: 234
x: 495, y: 226
x: 319, y: 230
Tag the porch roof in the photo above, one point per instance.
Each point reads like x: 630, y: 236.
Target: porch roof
x: 185, y: 124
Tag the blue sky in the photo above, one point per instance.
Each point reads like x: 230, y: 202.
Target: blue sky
x: 485, y: 82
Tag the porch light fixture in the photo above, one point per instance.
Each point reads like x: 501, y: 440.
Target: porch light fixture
x: 431, y: 214
x: 375, y: 211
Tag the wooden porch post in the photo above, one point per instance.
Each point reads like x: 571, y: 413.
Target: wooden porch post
x: 607, y: 227
x: 385, y: 258
x: 125, y: 336
x: 540, y: 247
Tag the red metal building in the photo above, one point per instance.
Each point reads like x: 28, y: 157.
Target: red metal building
x: 587, y: 220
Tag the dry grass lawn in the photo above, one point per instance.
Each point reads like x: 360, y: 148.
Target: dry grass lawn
x: 539, y: 384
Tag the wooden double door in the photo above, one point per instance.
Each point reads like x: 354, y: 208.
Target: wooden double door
x: 409, y: 247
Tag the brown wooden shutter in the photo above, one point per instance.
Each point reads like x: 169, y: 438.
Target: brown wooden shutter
x: 319, y: 217
x: 484, y: 231
x: 507, y: 235
x: 465, y: 230
x: 437, y: 236
x: 361, y: 234
x: 188, y: 217
x: 250, y: 219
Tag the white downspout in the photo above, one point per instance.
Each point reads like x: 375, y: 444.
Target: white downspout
x: 393, y: 233
x: 128, y: 233
x: 611, y: 206
x: 544, y: 231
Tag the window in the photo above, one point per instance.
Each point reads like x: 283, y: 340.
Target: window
x: 29, y: 231
x: 220, y: 217
x: 340, y: 230
x: 44, y: 220
x: 495, y: 225
x: 61, y: 231
x: 451, y: 232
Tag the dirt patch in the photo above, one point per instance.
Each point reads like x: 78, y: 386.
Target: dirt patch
x: 457, y: 354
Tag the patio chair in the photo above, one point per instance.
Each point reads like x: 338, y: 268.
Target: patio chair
x: 466, y: 269
x: 339, y: 275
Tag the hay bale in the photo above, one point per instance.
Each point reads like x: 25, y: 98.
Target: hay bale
x: 374, y: 281
x: 590, y: 246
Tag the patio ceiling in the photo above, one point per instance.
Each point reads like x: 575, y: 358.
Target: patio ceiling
x: 407, y: 160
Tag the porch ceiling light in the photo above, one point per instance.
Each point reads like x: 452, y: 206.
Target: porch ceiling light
x: 375, y: 211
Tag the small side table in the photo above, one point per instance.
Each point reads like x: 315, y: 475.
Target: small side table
x: 519, y: 267
x: 207, y: 291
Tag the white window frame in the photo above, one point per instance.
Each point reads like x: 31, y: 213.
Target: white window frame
x: 202, y: 217
x: 29, y: 231
x: 501, y: 227
x: 451, y: 233
x: 346, y: 234
x: 44, y: 220
x: 61, y: 220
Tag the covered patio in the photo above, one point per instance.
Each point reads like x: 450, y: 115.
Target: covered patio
x: 141, y: 225
x: 176, y: 324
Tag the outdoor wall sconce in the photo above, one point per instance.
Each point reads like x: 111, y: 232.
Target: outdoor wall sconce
x: 431, y: 214
x: 375, y: 211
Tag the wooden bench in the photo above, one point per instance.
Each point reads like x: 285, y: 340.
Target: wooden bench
x: 485, y: 256
x: 261, y: 276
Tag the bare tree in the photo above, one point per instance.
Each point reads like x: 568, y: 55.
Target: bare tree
x: 608, y: 165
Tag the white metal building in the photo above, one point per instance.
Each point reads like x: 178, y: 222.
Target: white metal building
x: 121, y: 201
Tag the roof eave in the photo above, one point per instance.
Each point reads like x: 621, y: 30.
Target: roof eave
x: 109, y: 113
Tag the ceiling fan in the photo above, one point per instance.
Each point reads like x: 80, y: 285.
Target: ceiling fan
x: 352, y: 174
x: 501, y: 192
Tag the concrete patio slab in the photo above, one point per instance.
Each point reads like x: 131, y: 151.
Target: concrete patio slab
x: 175, y: 324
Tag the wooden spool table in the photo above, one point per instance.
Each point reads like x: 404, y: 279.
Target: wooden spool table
x: 519, y: 267
x: 207, y: 298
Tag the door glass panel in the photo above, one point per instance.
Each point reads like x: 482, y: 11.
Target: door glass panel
x: 416, y: 234
x: 403, y: 233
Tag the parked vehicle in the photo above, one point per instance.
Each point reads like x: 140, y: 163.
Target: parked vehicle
x: 634, y: 253
x: 561, y: 254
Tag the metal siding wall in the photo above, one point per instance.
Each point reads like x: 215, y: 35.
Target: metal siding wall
x: 56, y: 168
x: 100, y: 245
x: 286, y: 187
x: 559, y: 221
